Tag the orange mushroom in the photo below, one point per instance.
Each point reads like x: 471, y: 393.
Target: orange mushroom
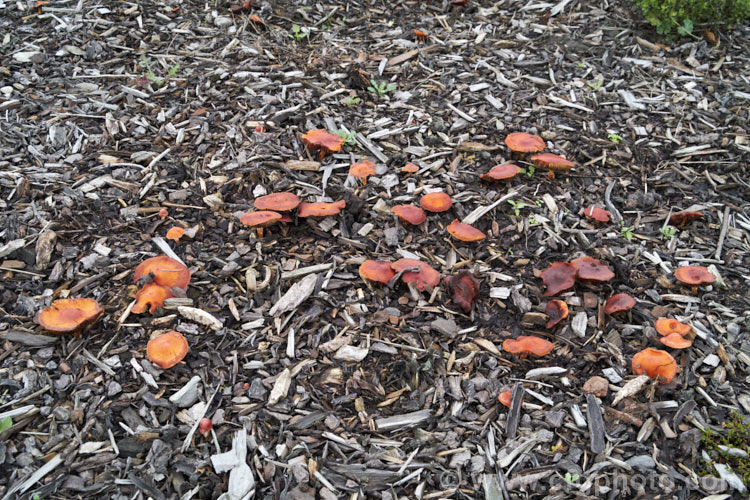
x: 618, y: 303
x: 505, y: 397
x: 149, y: 297
x: 320, y: 208
x: 679, y: 219
x: 373, y: 270
x: 277, y: 202
x: 558, y: 277
x: 167, y: 349
x: 675, y: 341
x: 591, y: 270
x: 464, y: 232
x: 410, y: 214
x: 260, y: 219
x: 526, y: 344
x: 597, y: 214
x: 668, y: 326
x: 362, y: 170
x: 557, y: 310
x: 521, y: 142
x: 424, y: 277
x: 464, y: 288
x: 552, y: 162
x: 420, y: 35
x: 502, y: 172
x: 694, y: 276
x: 324, y: 141
x: 69, y: 316
x: 166, y: 272
x: 436, y: 202
x: 410, y: 168
x: 656, y: 364
x: 163, y: 212
x: 175, y: 233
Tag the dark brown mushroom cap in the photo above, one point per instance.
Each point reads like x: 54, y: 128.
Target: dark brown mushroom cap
x: 552, y: 162
x: 618, y: 303
x: 277, y: 202
x: 597, y: 214
x: 464, y: 232
x: 362, y: 169
x: 424, y: 277
x: 655, y: 363
x: 694, y: 276
x: 411, y: 214
x: 167, y: 349
x: 557, y: 310
x: 167, y: 272
x: 69, y: 316
x: 592, y: 270
x: 464, y: 288
x: 373, y: 270
x: 502, y: 172
x: 558, y: 277
x: 526, y: 344
x: 436, y: 202
x: 261, y: 218
x: 320, y: 208
x: 521, y: 142
x: 322, y: 140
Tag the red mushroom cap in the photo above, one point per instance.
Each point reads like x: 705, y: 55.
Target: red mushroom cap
x: 521, y: 142
x: 557, y: 310
x: 552, y: 162
x: 619, y: 303
x: 362, y: 169
x: 167, y: 272
x: 372, y: 270
x: 464, y: 288
x: 464, y: 232
x: 323, y: 140
x: 506, y: 398
x: 655, y: 363
x: 320, y: 209
x: 175, y: 233
x: 526, y: 344
x: 277, y: 202
x: 668, y: 326
x: 426, y: 276
x: 596, y: 213
x: 149, y: 297
x: 411, y: 214
x: 69, y: 316
x: 167, y: 349
x: 409, y: 168
x: 679, y: 219
x: 592, y: 270
x: 204, y: 426
x: 501, y: 173
x: 436, y: 202
x: 558, y: 277
x: 694, y: 276
x: 675, y: 341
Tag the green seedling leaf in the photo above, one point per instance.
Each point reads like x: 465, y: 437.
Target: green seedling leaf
x: 6, y: 423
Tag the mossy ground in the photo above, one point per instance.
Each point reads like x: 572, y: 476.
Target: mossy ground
x: 736, y: 435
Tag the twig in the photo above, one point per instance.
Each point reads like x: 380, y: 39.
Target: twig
x: 610, y: 206
x: 722, y: 234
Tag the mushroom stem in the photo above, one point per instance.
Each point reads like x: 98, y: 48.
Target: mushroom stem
x: 259, y: 232
x: 551, y: 175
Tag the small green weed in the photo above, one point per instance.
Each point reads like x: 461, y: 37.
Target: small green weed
x: 615, y: 138
x: 380, y: 88
x: 685, y: 14
x: 529, y: 170
x: 668, y: 232
x: 297, y: 33
x: 596, y: 85
x: 153, y: 77
x: 626, y: 231
x: 6, y: 423
x: 352, y: 101
x: 737, y: 437
x: 347, y: 136
x: 571, y: 478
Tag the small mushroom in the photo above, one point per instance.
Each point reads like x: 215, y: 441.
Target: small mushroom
x: 436, y: 202
x: 505, y: 397
x: 521, y: 142
x: 502, y: 172
x: 410, y: 168
x: 557, y: 310
x: 675, y: 341
x: 323, y: 141
x: 167, y: 349
x: 373, y: 270
x: 204, y: 426
x: 362, y: 170
x: 552, y: 162
x: 424, y: 277
x: 464, y: 288
x: 150, y: 297
x: 410, y: 214
x: 260, y: 219
x: 175, y: 233
x: 558, y: 277
x: 597, y: 214
x: 166, y: 272
x: 277, y: 202
x: 656, y: 364
x: 619, y: 303
x: 679, y: 219
x: 464, y: 232
x: 694, y: 276
x: 591, y: 270
x: 526, y: 344
x: 320, y: 208
x: 69, y: 316
x: 163, y: 212
x: 420, y: 35
x: 668, y: 326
